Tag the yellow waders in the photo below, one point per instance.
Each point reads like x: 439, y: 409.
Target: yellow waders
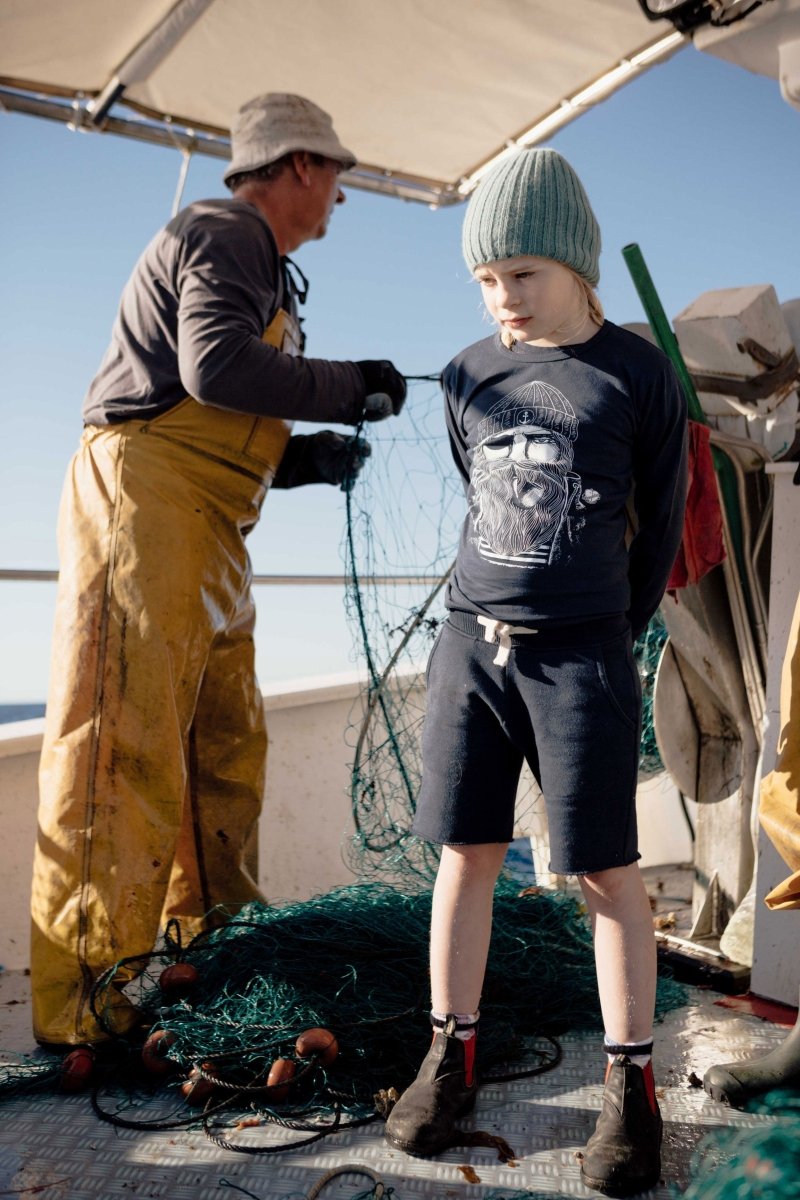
x: 779, y: 807
x: 152, y: 769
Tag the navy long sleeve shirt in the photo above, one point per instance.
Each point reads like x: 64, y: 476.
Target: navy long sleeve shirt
x: 551, y: 442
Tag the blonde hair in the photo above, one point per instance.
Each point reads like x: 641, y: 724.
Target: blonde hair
x: 593, y: 305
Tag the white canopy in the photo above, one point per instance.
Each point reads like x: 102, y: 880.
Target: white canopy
x: 426, y: 92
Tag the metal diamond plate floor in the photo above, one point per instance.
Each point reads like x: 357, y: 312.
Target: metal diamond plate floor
x: 56, y: 1148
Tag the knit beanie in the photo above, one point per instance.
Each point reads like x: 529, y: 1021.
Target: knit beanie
x: 532, y: 203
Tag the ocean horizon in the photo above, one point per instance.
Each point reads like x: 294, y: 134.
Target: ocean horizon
x: 20, y: 712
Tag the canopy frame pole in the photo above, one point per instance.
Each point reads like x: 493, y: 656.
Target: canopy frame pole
x: 149, y: 54
x: 186, y: 157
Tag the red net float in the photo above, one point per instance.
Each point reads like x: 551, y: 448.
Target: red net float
x: 282, y: 1071
x: 154, y: 1052
x: 178, y: 980
x: 317, y: 1043
x: 77, y: 1070
x: 197, y: 1089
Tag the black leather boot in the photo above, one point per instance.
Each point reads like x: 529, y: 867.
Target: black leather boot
x: 623, y: 1155
x: 737, y: 1082
x: 423, y: 1119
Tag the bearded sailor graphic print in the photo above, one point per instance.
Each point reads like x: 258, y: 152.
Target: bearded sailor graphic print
x: 527, y: 504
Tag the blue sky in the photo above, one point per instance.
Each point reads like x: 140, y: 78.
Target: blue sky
x: 698, y: 161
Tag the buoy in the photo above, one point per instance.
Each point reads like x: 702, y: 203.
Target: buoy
x: 178, y: 980
x: 317, y: 1043
x: 281, y: 1072
x: 77, y: 1069
x: 197, y: 1089
x: 154, y: 1052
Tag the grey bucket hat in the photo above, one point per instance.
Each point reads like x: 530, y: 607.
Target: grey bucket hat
x: 266, y: 128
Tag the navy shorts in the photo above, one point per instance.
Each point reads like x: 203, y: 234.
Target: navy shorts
x: 573, y: 711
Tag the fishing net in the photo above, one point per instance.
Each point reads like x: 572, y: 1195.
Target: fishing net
x: 353, y: 961
x: 760, y: 1164
x: 398, y: 560
x: 395, y: 624
x: 647, y: 651
x: 238, y: 1025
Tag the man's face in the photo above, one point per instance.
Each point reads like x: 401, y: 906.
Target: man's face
x: 324, y: 194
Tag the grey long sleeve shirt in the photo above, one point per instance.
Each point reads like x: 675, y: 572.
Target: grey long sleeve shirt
x: 190, y: 322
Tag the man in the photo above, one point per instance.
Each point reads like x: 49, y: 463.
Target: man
x: 152, y: 767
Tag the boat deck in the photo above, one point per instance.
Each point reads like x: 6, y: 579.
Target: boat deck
x: 55, y: 1146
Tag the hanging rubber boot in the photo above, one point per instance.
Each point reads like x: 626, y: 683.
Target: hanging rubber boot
x: 623, y: 1155
x: 737, y: 1082
x: 423, y: 1119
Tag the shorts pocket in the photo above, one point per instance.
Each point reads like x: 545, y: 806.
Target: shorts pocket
x: 620, y: 679
x: 431, y: 656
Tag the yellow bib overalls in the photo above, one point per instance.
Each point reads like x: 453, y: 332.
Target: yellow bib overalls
x: 152, y: 769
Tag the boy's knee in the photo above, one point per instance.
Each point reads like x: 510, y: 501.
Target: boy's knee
x: 483, y: 856
x: 611, y: 883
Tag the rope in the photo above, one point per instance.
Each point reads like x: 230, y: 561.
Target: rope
x: 378, y: 1190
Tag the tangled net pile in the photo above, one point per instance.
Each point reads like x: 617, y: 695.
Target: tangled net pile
x: 355, y: 962
x: 759, y: 1164
x: 304, y: 1016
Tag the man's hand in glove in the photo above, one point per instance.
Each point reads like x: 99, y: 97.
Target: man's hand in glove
x: 324, y: 457
x: 386, y: 389
x: 339, y: 459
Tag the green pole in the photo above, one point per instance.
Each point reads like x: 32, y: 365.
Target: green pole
x: 662, y: 332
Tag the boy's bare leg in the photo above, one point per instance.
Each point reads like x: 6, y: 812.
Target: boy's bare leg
x: 624, y: 949
x: 623, y: 1155
x: 461, y: 924
x: 423, y: 1120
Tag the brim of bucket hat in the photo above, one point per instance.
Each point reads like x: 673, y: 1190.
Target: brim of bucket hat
x: 250, y: 158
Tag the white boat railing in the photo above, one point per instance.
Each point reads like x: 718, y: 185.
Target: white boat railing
x: 37, y: 575
x: 307, y: 815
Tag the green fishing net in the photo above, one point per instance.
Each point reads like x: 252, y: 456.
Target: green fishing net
x: 761, y: 1163
x: 395, y: 622
x: 353, y: 961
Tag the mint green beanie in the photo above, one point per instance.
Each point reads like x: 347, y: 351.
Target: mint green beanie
x: 532, y: 203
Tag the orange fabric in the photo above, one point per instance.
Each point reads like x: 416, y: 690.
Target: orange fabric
x: 702, y: 546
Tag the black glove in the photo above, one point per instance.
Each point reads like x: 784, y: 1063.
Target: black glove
x: 385, y: 387
x: 324, y: 457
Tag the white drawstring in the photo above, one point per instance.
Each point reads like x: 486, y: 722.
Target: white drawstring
x: 499, y: 631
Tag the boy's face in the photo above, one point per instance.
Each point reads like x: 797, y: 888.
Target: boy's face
x: 536, y: 300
